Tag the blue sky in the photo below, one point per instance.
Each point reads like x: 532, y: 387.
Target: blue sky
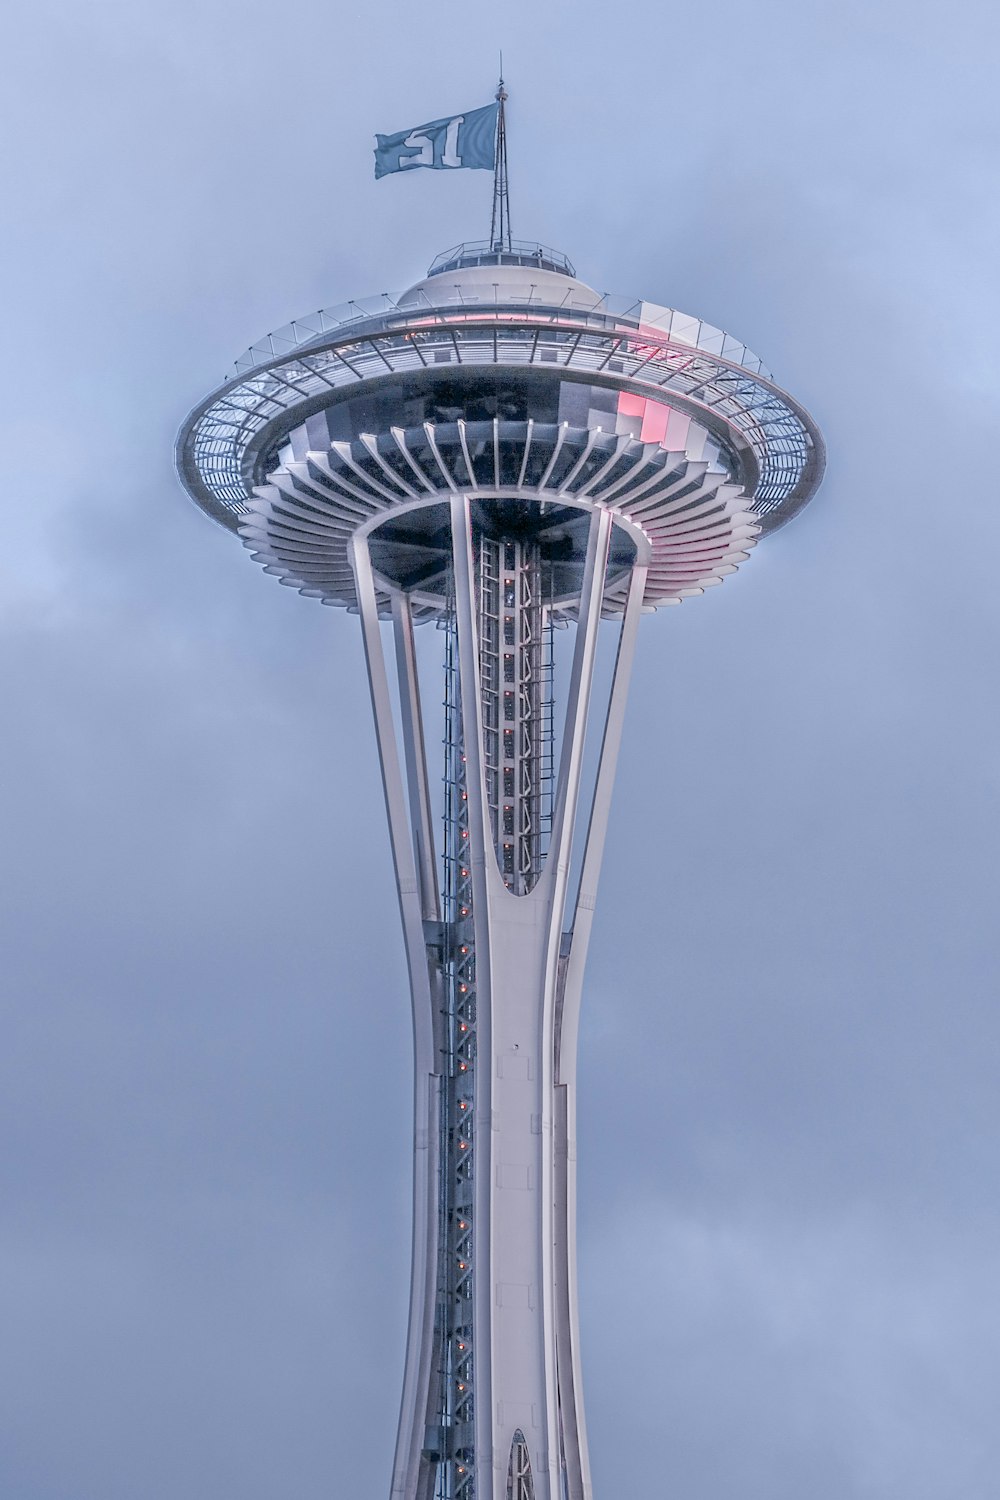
x: 789, y: 1118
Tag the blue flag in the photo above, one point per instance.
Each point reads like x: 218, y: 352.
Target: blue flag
x: 467, y: 140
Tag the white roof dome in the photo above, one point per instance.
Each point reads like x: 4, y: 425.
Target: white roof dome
x: 477, y: 273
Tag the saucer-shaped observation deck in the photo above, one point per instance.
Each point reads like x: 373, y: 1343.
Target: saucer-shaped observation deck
x: 504, y: 377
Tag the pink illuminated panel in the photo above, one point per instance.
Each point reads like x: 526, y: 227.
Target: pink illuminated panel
x: 659, y: 423
x: 654, y: 422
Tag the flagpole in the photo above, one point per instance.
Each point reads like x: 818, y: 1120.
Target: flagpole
x: 500, y: 224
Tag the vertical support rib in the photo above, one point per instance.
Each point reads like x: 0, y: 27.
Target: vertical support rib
x: 400, y: 836
x: 583, y: 916
x: 560, y: 1229
x: 415, y: 755
x: 480, y: 851
x: 411, y: 1475
x: 578, y: 702
x: 578, y: 1485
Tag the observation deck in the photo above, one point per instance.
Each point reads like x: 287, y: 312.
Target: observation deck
x: 477, y: 315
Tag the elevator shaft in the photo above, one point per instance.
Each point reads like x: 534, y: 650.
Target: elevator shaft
x: 515, y: 667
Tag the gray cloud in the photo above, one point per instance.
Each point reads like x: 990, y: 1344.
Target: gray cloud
x: 789, y: 1118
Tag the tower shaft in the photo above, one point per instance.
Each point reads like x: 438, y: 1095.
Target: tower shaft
x: 491, y: 1405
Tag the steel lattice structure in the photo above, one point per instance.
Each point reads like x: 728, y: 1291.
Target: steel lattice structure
x: 505, y: 453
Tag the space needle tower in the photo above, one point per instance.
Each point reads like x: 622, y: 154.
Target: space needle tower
x: 526, y: 464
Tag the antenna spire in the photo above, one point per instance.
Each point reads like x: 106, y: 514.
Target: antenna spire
x: 500, y: 224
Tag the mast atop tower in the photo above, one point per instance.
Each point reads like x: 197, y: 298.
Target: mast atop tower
x: 500, y: 224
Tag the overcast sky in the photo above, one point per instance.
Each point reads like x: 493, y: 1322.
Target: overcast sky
x: 789, y: 1108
